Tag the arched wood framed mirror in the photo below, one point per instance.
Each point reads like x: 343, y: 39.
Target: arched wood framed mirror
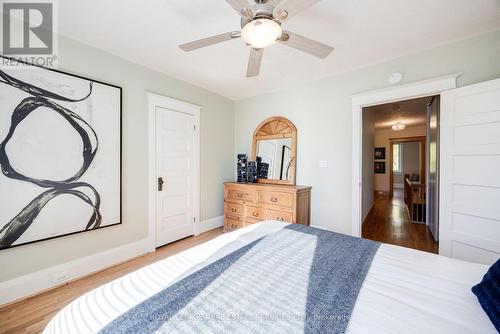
x: 275, y: 142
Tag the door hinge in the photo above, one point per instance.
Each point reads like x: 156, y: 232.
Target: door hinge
x: 194, y: 219
x: 194, y: 127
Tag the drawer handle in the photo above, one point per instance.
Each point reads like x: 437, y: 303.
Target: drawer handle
x: 240, y: 195
x: 233, y: 210
x: 255, y: 214
x: 274, y: 199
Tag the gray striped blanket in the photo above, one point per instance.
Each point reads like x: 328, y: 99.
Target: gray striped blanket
x: 297, y: 280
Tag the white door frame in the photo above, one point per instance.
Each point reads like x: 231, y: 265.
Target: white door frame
x: 156, y: 100
x: 429, y: 87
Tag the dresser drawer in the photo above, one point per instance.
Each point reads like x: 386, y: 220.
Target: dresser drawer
x: 232, y: 224
x: 236, y: 194
x: 234, y: 210
x: 276, y: 198
x: 254, y: 212
x: 281, y: 216
x: 246, y: 204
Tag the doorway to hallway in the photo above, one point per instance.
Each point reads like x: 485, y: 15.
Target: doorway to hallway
x: 396, y: 166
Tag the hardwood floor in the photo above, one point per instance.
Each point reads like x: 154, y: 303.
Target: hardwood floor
x: 31, y: 315
x: 390, y: 223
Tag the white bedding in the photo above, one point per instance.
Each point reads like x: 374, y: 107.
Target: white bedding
x: 405, y: 291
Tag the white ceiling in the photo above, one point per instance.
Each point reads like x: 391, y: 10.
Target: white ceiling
x: 363, y: 32
x: 409, y: 112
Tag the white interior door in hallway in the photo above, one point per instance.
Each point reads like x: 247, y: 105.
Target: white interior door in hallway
x: 469, y: 215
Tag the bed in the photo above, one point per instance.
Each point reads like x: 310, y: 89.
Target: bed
x: 404, y: 290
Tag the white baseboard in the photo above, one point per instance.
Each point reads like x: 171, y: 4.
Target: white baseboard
x: 33, y: 283
x: 211, y: 224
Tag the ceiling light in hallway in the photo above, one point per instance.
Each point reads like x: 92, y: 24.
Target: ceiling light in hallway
x: 398, y: 126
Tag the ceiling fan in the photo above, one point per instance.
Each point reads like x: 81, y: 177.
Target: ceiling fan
x: 261, y: 27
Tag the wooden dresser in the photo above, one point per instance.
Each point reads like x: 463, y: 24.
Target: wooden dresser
x: 249, y: 203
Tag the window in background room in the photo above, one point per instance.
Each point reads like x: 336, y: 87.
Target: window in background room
x: 397, y: 153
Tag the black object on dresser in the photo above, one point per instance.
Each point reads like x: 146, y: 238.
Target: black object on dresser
x: 262, y: 169
x: 252, y: 171
x: 241, y: 168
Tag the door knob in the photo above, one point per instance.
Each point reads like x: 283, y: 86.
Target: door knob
x: 160, y: 183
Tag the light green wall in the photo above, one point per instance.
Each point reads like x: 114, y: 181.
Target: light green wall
x: 320, y: 110
x: 217, y: 122
x: 322, y: 113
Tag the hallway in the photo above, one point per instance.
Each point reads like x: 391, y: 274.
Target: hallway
x: 389, y: 223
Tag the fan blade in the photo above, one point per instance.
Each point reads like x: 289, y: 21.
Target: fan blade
x: 204, y: 42
x: 305, y: 44
x: 243, y: 7
x: 288, y: 8
x: 254, y: 62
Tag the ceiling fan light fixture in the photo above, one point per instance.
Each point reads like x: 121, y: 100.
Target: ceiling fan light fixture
x: 399, y: 126
x: 261, y: 33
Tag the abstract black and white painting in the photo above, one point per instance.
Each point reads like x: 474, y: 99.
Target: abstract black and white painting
x: 60, y: 155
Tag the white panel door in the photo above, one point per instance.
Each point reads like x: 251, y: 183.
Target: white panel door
x: 175, y: 172
x: 470, y: 173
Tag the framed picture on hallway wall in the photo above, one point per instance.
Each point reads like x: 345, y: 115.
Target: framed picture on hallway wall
x: 60, y: 154
x: 379, y: 153
x: 379, y: 167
